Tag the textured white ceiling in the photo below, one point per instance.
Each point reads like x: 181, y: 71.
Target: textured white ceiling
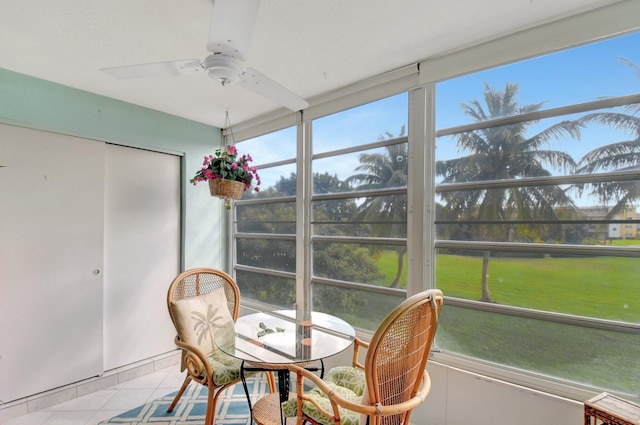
x: 309, y: 46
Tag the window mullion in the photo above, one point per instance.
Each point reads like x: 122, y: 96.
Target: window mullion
x: 304, y: 186
x: 420, y: 273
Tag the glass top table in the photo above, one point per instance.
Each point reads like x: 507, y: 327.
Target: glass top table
x: 272, y: 340
x: 282, y: 337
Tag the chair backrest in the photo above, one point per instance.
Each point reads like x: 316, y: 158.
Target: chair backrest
x: 200, y: 281
x: 399, y: 350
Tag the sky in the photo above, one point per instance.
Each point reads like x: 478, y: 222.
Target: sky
x: 567, y: 77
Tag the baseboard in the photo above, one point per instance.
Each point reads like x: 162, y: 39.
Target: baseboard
x: 108, y: 379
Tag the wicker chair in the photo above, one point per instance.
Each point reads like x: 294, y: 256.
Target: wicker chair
x: 392, y: 381
x: 216, y: 371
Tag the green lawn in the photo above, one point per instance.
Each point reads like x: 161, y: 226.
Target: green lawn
x: 602, y: 287
x: 604, y: 359
x: 625, y: 242
x: 388, y: 265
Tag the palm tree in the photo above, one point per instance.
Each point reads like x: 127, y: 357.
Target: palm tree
x: 505, y: 153
x: 387, y: 213
x: 618, y: 156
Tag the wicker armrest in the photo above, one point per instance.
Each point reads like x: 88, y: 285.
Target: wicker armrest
x: 357, y: 345
x: 362, y: 408
x: 195, y: 361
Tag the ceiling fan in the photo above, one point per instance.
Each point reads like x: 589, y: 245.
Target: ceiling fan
x: 232, y: 24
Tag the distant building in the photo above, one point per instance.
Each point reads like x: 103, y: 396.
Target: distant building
x: 618, y: 230
x: 625, y: 230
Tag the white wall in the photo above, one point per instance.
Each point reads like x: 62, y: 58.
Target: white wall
x: 51, y: 198
x: 141, y: 253
x: 56, y: 112
x: 88, y: 249
x: 461, y: 397
x: 38, y: 104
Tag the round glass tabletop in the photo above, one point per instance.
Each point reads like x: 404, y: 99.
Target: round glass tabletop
x: 284, y: 337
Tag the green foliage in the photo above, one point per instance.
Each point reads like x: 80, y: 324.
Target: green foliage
x: 264, y: 330
x: 286, y: 186
x: 507, y: 153
x: 621, y: 155
x: 272, y: 290
x: 339, y: 261
x: 369, y: 309
x: 344, y: 262
x: 387, y: 214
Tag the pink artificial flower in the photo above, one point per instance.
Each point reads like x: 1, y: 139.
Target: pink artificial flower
x: 208, y: 174
x: 232, y: 150
x: 234, y: 166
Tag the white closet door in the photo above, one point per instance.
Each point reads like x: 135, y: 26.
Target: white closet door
x: 51, y: 245
x: 142, y: 252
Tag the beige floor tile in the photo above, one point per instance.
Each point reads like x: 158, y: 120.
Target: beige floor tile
x: 93, y: 401
x: 128, y: 399
x: 36, y: 418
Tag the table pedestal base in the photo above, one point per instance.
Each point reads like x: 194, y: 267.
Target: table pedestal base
x: 267, y: 411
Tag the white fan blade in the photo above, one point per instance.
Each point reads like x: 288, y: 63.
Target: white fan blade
x: 265, y: 86
x: 185, y: 67
x: 232, y: 23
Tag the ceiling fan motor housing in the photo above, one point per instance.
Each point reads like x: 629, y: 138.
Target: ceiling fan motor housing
x: 223, y: 68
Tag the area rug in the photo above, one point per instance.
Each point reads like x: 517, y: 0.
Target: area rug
x: 232, y: 408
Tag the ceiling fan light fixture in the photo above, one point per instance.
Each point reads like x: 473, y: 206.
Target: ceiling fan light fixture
x: 223, y: 68
x: 232, y: 24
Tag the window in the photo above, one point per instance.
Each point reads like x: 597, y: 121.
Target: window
x: 359, y: 211
x: 265, y: 223
x: 535, y: 224
x: 537, y: 164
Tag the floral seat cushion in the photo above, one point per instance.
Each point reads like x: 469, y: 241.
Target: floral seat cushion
x: 225, y: 368
x: 347, y: 381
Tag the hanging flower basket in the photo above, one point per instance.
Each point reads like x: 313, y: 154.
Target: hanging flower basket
x: 223, y: 188
x: 228, y: 174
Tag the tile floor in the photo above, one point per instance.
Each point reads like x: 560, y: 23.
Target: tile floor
x: 100, y: 405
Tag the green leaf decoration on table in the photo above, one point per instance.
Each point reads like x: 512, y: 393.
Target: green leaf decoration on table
x: 264, y: 330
